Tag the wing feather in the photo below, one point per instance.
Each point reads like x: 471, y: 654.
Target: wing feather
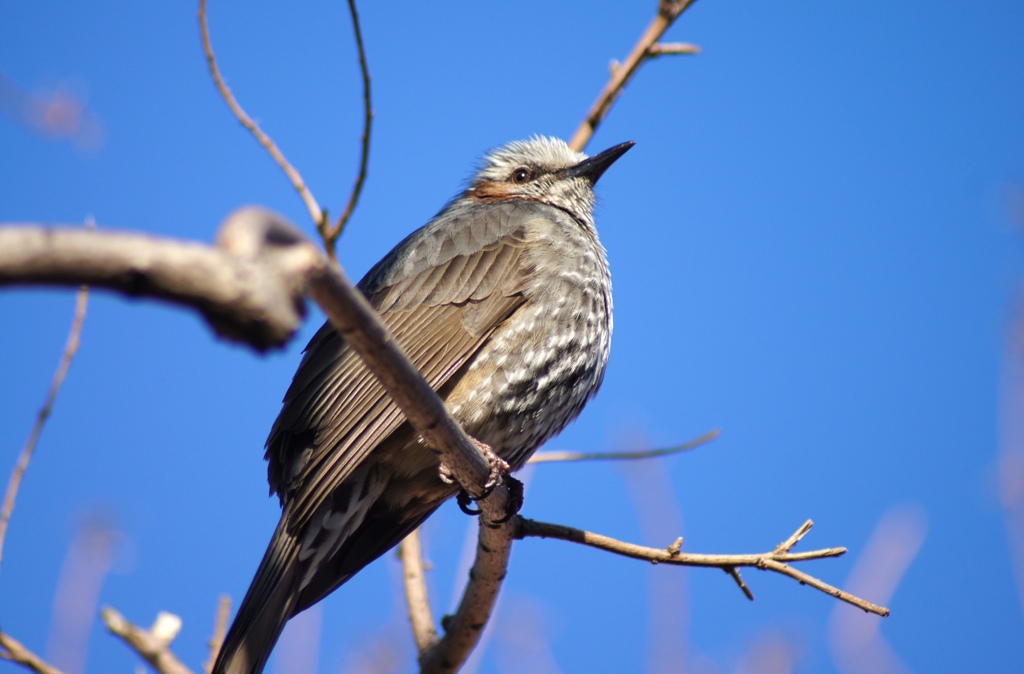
x: 458, y: 282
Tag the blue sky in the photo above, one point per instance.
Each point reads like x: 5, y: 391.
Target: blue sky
x: 812, y: 246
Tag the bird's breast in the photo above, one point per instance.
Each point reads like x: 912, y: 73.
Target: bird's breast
x: 542, y: 364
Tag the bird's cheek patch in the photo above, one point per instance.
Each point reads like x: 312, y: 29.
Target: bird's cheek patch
x: 488, y: 191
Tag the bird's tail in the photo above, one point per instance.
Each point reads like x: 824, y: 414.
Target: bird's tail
x: 267, y: 606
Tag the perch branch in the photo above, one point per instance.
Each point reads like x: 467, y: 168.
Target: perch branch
x: 668, y: 12
x: 70, y: 349
x: 777, y: 560
x: 152, y: 645
x: 315, y: 212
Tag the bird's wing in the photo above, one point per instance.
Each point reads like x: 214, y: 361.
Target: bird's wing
x: 459, y: 278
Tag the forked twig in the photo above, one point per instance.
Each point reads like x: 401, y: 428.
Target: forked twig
x: 646, y: 47
x: 152, y: 645
x: 70, y: 349
x: 261, y: 136
x: 777, y: 560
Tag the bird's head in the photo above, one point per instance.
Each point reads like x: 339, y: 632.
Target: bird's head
x: 546, y: 170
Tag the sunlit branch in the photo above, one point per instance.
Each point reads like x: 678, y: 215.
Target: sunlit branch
x: 778, y: 560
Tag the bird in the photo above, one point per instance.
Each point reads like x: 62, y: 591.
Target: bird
x: 503, y: 301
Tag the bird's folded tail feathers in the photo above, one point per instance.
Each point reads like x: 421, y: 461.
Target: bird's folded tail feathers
x: 267, y: 606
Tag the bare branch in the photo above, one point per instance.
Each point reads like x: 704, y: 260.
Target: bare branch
x: 12, y: 651
x: 775, y: 560
x: 152, y: 645
x: 416, y: 596
x: 548, y: 457
x: 262, y: 138
x: 246, y: 295
x: 668, y: 12
x: 220, y: 628
x: 327, y: 233
x: 70, y: 348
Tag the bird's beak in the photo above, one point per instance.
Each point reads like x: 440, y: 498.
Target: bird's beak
x: 593, y: 168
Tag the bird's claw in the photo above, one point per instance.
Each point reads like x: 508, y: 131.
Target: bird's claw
x: 499, y: 472
x: 499, y: 467
x: 465, y: 502
x: 515, y: 500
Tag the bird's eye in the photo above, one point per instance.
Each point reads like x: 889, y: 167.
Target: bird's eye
x: 521, y: 175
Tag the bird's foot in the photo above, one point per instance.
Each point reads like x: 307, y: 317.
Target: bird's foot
x: 498, y: 466
x: 515, y: 501
x: 499, y: 472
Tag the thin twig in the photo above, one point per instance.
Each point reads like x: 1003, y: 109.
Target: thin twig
x: 547, y: 457
x: 420, y: 616
x: 772, y: 561
x: 668, y: 12
x: 735, y: 573
x: 152, y: 645
x: 220, y: 628
x: 298, y: 183
x: 787, y: 545
x: 672, y: 49
x: 327, y: 233
x: 70, y: 348
x: 12, y: 651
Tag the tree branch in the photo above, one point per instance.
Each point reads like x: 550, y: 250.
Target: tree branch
x: 12, y: 651
x: 70, y: 349
x: 645, y: 48
x: 152, y: 645
x: 777, y: 560
x: 261, y: 136
x: 256, y: 301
